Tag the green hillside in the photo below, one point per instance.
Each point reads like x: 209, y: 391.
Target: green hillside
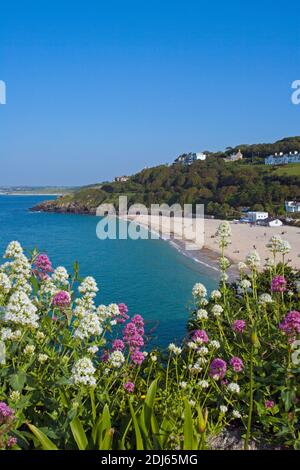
x: 224, y: 188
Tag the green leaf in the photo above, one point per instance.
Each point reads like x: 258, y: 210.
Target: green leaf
x: 188, y: 427
x: 149, y: 403
x: 35, y: 285
x: 138, y: 435
x: 17, y: 381
x: 79, y: 434
x: 45, y: 442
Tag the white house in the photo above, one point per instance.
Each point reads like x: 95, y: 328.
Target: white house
x: 255, y: 216
x: 234, y: 157
x: 292, y: 206
x: 283, y: 159
x: 192, y: 157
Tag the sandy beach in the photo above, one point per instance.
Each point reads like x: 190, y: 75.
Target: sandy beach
x: 244, y: 239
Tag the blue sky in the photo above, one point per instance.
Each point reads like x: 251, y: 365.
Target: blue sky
x: 101, y: 88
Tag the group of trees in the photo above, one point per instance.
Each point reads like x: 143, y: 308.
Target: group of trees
x: 224, y: 188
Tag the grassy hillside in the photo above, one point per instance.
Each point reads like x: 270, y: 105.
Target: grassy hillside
x: 224, y: 188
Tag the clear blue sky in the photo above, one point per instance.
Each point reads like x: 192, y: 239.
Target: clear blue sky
x: 101, y: 88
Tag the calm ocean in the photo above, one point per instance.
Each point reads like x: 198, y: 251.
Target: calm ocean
x: 150, y: 276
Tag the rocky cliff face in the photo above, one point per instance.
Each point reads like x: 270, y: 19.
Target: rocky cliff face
x: 64, y: 206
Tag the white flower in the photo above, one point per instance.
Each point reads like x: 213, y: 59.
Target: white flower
x: 61, y: 276
x: 40, y: 335
x: 42, y: 358
x: 217, y: 310
x: 265, y: 299
x: 93, y: 350
x: 253, y: 260
x: 21, y: 311
x: 116, y: 359
x: 236, y: 414
x: 203, y: 384
x: 274, y: 244
x: 112, y: 310
x: 224, y: 263
x: 48, y: 287
x: 5, y: 284
x: 88, y: 287
x: 29, y: 349
x: 233, y: 387
x: 192, y: 403
x: 202, y: 314
x: 215, y: 295
x: 15, y: 396
x: 224, y: 277
x: 242, y: 266
x: 202, y: 351
x: 6, y: 334
x: 223, y: 409
x: 203, y: 302
x: 174, y: 349
x: 245, y: 284
x: 83, y: 372
x: 13, y: 250
x: 215, y: 344
x: 89, y: 325
x: 183, y: 384
x: 153, y: 358
x: 192, y: 345
x: 199, y: 290
x: 284, y: 247
x: 224, y: 232
x: 113, y: 322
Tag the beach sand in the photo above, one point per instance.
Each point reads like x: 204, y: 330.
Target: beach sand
x: 243, y: 240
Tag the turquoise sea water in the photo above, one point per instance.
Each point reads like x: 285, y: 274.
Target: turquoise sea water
x: 150, y: 276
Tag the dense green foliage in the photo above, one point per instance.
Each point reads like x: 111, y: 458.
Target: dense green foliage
x: 224, y: 188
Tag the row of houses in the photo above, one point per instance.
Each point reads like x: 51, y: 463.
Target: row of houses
x: 283, y: 158
x: 189, y: 158
x: 262, y: 218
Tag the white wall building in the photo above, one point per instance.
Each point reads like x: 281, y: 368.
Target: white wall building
x: 255, y: 216
x: 192, y: 157
x: 292, y: 206
x: 283, y: 159
x: 234, y: 157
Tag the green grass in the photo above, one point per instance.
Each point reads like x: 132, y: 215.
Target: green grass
x: 293, y: 169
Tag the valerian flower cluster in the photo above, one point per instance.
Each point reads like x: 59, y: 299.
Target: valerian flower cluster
x: 74, y: 366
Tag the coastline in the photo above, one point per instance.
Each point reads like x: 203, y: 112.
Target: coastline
x: 244, y: 239
x: 204, y: 256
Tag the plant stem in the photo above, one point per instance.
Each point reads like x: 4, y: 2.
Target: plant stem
x: 246, y: 445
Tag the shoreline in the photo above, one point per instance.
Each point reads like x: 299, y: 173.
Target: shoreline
x: 244, y: 239
x: 206, y: 257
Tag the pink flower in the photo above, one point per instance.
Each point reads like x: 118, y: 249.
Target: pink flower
x: 6, y: 413
x: 137, y: 357
x: 237, y: 364
x: 62, y: 299
x: 218, y: 368
x: 132, y: 335
x: 129, y: 387
x: 278, y: 284
x: 291, y: 323
x: 43, y: 263
x: 239, y: 326
x: 122, y: 317
x: 269, y: 404
x: 200, y: 336
x: 11, y: 441
x: 118, y: 345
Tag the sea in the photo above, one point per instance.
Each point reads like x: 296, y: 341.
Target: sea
x: 150, y: 276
